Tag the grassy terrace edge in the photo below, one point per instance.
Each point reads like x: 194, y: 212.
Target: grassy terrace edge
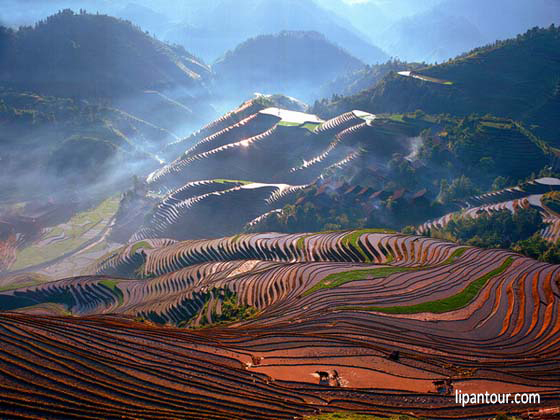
x: 451, y: 303
x: 338, y: 279
x: 112, y: 285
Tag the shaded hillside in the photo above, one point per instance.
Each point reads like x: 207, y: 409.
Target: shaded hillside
x: 248, y: 162
x: 516, y: 78
x: 264, y: 168
x: 294, y: 63
x: 40, y: 133
x: 90, y: 98
x: 93, y: 55
x: 364, y: 78
x: 214, y: 27
x: 444, y: 161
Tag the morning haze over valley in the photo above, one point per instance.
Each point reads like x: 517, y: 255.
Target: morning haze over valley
x: 280, y: 209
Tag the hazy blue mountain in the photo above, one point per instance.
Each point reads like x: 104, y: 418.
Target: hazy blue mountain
x: 367, y: 17
x: 145, y: 17
x: 433, y: 37
x: 454, y: 26
x: 397, y: 9
x: 501, y: 19
x: 223, y: 24
x: 296, y: 63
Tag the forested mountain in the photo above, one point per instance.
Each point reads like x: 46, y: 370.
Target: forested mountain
x: 365, y: 77
x: 93, y: 90
x: 294, y: 63
x: 70, y: 54
x: 517, y: 78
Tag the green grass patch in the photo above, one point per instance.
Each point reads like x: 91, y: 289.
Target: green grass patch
x: 498, y: 125
x: 289, y: 124
x: 112, y: 285
x: 308, y: 126
x: 18, y: 286
x: 353, y: 239
x: 338, y: 279
x: 300, y: 244
x: 311, y: 126
x: 25, y: 280
x: 231, y: 181
x: 397, y: 117
x: 457, y: 301
x: 138, y: 245
x: 455, y: 255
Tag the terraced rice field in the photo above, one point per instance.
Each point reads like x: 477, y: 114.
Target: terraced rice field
x: 266, y: 157
x: 267, y: 313
x: 69, y: 237
x: 524, y: 196
x: 274, y: 140
x: 224, y: 209
x: 232, y: 118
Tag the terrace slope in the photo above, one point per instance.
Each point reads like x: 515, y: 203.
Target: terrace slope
x: 276, y: 309
x: 271, y: 157
x: 530, y: 194
x: 254, y: 160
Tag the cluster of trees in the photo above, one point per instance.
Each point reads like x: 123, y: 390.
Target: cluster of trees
x: 538, y: 248
x: 517, y: 231
x: 500, y: 229
x: 310, y: 217
x: 459, y: 189
x: 552, y: 201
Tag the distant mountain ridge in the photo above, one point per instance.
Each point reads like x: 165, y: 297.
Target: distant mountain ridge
x: 89, y: 97
x: 94, y: 55
x: 453, y: 26
x: 514, y: 78
x: 292, y: 62
x: 220, y: 25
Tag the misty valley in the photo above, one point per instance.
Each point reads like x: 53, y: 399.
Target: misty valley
x: 279, y: 209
